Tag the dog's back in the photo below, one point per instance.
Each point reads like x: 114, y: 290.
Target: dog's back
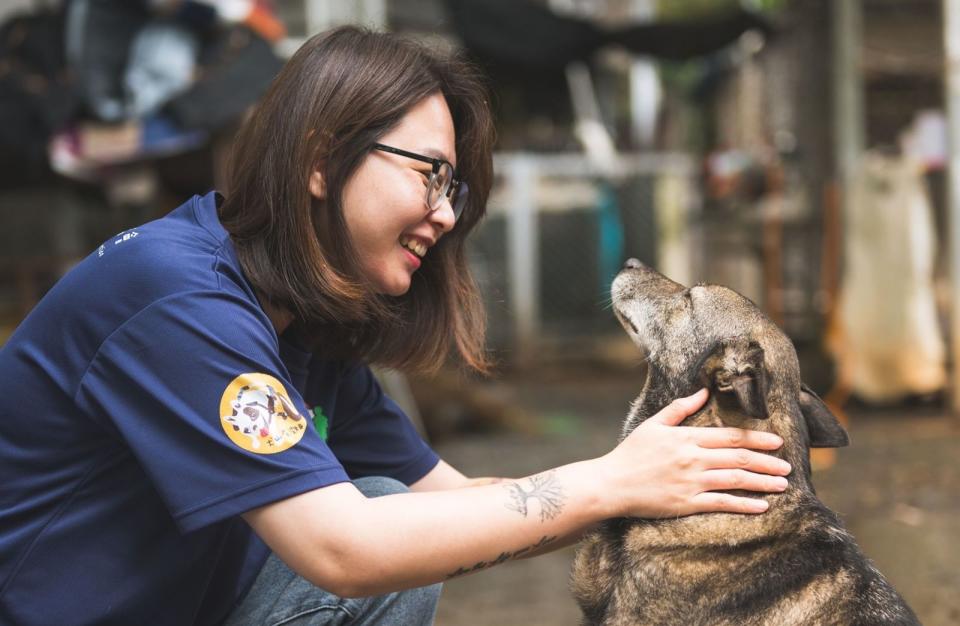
x: 794, y: 564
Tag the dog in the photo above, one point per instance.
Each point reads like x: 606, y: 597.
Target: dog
x: 794, y: 564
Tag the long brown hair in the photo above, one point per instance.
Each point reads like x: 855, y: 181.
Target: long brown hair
x: 334, y: 98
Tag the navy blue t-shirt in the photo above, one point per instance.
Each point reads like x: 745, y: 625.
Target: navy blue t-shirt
x: 145, y: 404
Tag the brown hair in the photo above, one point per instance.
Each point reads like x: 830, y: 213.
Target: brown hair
x: 334, y: 98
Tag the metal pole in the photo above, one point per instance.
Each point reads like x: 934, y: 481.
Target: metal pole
x: 847, y: 93
x: 522, y: 260
x: 951, y: 37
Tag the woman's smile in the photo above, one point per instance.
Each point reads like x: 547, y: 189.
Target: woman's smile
x: 413, y: 245
x: 412, y: 258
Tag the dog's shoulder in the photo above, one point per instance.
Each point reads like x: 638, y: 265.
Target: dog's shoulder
x: 794, y: 564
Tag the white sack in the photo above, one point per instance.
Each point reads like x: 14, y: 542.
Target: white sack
x: 892, y: 344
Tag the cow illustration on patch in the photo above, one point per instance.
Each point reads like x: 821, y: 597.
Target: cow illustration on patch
x: 257, y: 414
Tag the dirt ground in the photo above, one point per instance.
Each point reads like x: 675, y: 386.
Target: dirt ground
x: 895, y: 487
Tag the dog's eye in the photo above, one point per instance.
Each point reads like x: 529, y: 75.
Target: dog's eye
x: 633, y: 328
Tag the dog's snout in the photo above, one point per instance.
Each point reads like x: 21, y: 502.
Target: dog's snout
x: 638, y: 279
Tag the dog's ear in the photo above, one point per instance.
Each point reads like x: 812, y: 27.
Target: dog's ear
x: 734, y: 372
x: 825, y: 431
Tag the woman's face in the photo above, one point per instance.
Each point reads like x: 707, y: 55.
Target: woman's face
x: 387, y: 218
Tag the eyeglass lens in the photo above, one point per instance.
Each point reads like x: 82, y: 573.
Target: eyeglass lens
x: 439, y: 186
x: 460, y: 201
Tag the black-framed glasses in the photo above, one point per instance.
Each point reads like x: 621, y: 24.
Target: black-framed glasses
x: 443, y: 181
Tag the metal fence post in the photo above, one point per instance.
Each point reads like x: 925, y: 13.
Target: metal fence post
x: 523, y: 247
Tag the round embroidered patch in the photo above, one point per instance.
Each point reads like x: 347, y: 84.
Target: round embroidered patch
x: 257, y: 414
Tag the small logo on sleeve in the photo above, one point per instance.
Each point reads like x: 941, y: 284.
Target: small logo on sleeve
x: 256, y: 414
x: 321, y: 423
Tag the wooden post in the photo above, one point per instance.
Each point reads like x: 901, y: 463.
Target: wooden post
x: 951, y: 37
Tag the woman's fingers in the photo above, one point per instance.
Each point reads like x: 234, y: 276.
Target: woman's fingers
x: 711, y: 501
x: 735, y: 438
x: 741, y: 479
x: 740, y: 458
x: 680, y: 409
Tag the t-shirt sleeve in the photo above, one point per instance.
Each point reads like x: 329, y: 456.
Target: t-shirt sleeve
x: 371, y: 435
x: 195, y: 388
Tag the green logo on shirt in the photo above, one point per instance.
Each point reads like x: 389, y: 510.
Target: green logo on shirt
x: 320, y: 422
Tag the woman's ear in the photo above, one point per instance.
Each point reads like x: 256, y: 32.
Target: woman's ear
x: 318, y: 189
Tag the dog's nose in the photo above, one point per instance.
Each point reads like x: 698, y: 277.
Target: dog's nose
x: 633, y: 264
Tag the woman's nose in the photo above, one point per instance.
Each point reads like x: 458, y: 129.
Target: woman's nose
x: 442, y: 217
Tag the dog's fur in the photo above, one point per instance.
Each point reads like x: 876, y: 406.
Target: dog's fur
x: 794, y: 564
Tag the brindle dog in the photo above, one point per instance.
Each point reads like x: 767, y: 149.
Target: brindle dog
x: 794, y: 564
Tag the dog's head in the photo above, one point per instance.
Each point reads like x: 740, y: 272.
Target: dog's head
x: 710, y: 336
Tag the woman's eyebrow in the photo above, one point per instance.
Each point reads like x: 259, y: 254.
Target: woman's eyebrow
x: 437, y: 154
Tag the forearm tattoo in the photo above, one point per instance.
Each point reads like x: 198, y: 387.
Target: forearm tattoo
x: 503, y: 557
x: 544, y: 489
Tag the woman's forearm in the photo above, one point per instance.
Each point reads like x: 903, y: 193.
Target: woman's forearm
x: 360, y: 547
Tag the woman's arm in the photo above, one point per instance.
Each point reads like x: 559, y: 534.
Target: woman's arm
x: 354, y: 546
x: 445, y: 476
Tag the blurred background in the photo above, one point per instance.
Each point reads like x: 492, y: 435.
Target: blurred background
x: 795, y: 150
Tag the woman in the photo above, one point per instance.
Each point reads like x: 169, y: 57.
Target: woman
x: 190, y: 431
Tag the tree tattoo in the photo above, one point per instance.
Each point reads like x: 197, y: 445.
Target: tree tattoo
x: 544, y: 489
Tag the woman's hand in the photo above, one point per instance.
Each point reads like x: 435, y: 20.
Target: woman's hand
x: 661, y: 470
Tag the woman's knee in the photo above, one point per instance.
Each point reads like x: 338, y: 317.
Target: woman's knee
x: 376, y: 486
x: 413, y: 607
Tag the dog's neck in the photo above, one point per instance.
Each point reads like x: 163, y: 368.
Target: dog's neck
x: 712, y: 531
x: 662, y: 387
x: 658, y: 391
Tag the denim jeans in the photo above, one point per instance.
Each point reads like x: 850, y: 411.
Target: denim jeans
x: 281, y: 597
